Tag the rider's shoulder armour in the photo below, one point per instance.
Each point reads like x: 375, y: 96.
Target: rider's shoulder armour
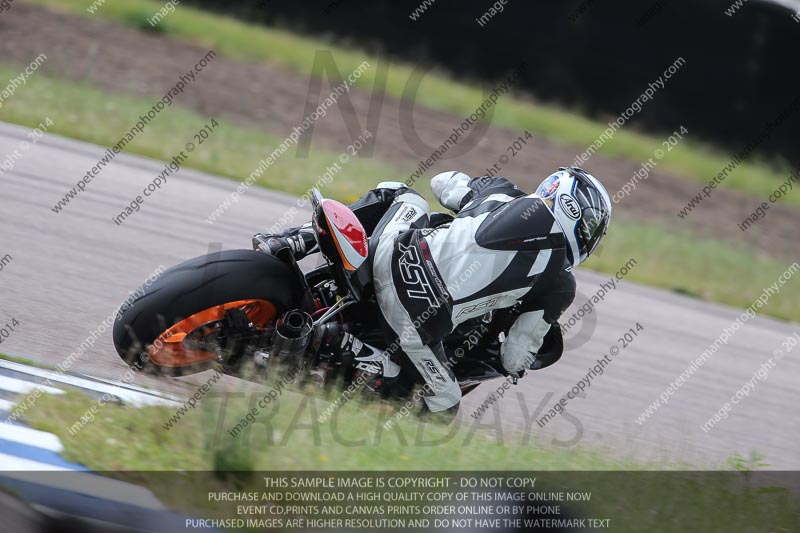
x: 522, y: 224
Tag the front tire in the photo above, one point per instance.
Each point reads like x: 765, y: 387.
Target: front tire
x: 159, y: 330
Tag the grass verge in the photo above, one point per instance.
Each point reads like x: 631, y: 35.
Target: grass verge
x: 81, y: 112
x: 23, y: 361
x: 254, y: 43
x: 704, y: 268
x: 287, y: 437
x: 667, y: 257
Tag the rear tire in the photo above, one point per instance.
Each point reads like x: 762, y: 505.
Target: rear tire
x: 195, y: 286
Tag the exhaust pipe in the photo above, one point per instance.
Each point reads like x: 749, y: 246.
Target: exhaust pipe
x: 292, y: 335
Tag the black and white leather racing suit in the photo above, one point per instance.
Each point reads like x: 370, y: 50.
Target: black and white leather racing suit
x: 503, y: 249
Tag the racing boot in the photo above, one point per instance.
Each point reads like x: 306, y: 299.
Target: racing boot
x: 374, y: 368
x: 299, y: 242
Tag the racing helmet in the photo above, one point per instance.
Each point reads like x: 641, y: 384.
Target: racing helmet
x: 581, y: 206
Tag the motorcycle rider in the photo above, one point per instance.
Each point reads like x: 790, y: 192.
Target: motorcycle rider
x: 505, y: 251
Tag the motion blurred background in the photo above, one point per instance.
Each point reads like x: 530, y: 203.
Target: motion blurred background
x: 430, y: 66
x: 729, y: 107
x: 728, y: 111
x: 587, y: 56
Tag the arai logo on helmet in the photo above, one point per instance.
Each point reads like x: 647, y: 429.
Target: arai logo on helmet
x: 570, y: 206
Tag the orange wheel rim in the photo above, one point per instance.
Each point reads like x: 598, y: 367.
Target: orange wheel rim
x: 170, y: 350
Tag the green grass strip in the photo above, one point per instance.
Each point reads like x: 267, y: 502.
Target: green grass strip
x: 255, y: 43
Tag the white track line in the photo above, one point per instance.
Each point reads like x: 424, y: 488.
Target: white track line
x: 30, y: 437
x: 125, y: 394
x: 10, y: 463
x: 24, y: 387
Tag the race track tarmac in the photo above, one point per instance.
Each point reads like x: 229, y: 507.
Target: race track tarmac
x: 70, y: 270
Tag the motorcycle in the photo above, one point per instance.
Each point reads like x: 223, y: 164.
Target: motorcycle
x: 248, y: 313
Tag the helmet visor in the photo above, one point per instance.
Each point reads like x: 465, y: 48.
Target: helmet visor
x: 591, y: 228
